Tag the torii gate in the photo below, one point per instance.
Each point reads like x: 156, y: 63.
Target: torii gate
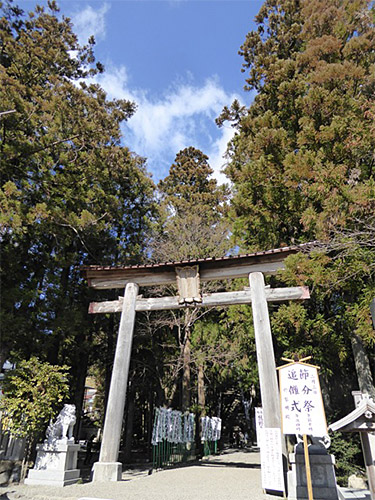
x: 188, y: 275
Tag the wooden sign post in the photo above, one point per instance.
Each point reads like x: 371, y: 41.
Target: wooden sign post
x: 308, y: 470
x: 302, y: 410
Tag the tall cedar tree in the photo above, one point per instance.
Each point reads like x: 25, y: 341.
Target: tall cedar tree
x: 71, y: 194
x: 214, y: 346
x: 193, y: 227
x: 302, y: 167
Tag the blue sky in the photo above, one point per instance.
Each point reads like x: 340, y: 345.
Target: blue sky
x: 178, y: 60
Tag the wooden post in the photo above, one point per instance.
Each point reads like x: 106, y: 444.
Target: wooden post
x: 369, y: 462
x: 269, y: 390
x: 368, y: 446
x: 108, y: 468
x: 307, y: 467
x: 265, y: 354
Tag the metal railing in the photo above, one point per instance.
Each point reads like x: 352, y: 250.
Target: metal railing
x: 165, y: 454
x: 209, y: 448
x: 11, y: 447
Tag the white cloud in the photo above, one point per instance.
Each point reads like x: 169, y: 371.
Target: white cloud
x: 89, y: 22
x: 217, y: 152
x: 183, y: 116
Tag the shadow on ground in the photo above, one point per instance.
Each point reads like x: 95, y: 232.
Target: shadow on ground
x: 215, y: 463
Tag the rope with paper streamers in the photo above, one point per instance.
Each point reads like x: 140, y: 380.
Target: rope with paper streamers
x: 173, y: 426
x: 211, y: 428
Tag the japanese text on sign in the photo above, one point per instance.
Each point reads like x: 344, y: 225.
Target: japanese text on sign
x: 259, y: 424
x: 301, y: 400
x: 271, y: 459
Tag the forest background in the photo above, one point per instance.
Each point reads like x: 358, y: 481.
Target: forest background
x: 301, y: 169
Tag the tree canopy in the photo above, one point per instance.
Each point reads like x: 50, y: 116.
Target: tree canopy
x: 302, y: 159
x: 302, y: 167
x: 71, y: 192
x: 33, y: 393
x: 193, y: 205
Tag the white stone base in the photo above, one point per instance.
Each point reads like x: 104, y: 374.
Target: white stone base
x: 53, y: 477
x: 107, y: 471
x: 55, y: 464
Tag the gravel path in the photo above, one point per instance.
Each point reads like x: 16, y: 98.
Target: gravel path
x: 229, y: 476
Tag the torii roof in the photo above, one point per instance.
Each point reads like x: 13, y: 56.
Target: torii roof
x: 238, y: 266
x: 362, y: 419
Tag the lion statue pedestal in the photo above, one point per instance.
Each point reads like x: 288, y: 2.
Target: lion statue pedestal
x: 56, y: 459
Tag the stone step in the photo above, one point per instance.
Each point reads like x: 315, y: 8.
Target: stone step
x: 352, y: 494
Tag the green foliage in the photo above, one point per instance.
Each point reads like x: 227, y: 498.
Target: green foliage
x: 225, y: 347
x: 71, y: 193
x: 302, y: 160
x: 303, y: 169
x: 192, y: 208
x: 189, y: 186
x: 348, y: 455
x: 33, y: 393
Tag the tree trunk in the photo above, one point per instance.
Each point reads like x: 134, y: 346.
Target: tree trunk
x: 57, y: 335
x: 186, y: 357
x: 150, y: 422
x: 201, y: 394
x: 201, y: 411
x: 160, y: 394
x: 362, y: 366
x: 170, y: 394
x: 79, y: 390
x: 129, y: 427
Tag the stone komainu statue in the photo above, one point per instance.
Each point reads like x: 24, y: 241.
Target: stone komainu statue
x: 62, y: 428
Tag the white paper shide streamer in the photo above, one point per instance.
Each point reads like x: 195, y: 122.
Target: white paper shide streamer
x: 173, y: 426
x: 211, y: 428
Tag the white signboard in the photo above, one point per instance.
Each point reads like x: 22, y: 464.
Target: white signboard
x: 271, y: 459
x: 302, y: 408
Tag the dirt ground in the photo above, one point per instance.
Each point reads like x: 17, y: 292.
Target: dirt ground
x: 233, y: 475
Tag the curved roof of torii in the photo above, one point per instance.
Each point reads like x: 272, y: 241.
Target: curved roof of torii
x: 237, y: 266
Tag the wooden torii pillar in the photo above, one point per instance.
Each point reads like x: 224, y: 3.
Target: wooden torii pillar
x: 188, y: 276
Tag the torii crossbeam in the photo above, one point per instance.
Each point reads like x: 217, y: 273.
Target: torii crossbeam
x: 187, y: 275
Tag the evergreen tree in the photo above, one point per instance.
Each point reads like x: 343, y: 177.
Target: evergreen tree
x: 71, y: 193
x: 301, y: 160
x: 210, y: 348
x: 302, y: 168
x: 192, y: 227
x: 189, y: 187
